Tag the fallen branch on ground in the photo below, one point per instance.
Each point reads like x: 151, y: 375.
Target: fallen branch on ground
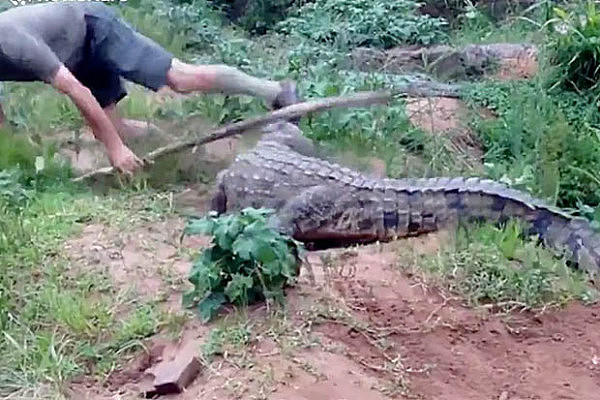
x: 361, y: 99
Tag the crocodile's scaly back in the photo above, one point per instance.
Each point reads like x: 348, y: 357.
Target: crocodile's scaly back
x: 317, y: 200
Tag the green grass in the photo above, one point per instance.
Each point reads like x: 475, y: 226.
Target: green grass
x: 58, y: 319
x: 56, y: 316
x: 543, y: 143
x: 229, y: 337
x: 500, y: 267
x: 474, y: 26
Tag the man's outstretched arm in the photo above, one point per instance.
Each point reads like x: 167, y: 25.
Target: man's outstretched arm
x: 121, y: 157
x: 35, y: 58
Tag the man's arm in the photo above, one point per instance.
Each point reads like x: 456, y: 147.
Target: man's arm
x: 36, y: 59
x: 121, y: 157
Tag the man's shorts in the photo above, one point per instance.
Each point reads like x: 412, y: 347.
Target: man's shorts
x: 114, y: 50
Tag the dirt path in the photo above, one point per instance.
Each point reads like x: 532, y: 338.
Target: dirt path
x: 363, y: 330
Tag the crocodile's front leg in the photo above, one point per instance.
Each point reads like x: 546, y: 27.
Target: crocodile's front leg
x: 218, y: 197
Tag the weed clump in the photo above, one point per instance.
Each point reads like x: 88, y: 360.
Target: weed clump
x: 501, y: 267
x: 247, y: 262
x: 574, y: 47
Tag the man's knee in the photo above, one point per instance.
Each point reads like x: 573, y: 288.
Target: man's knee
x: 183, y: 77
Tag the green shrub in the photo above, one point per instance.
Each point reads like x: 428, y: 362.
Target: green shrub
x: 376, y: 23
x: 247, y: 262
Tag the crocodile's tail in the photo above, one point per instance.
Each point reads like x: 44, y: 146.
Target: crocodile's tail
x: 434, y: 201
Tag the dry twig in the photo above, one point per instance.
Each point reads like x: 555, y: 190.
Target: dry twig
x: 361, y: 99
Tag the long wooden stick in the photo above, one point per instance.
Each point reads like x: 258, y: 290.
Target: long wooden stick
x: 293, y: 111
x: 361, y: 99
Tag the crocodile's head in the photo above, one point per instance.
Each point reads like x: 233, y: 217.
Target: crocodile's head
x: 290, y: 135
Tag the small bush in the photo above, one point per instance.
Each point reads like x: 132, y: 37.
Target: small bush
x: 375, y: 23
x: 248, y: 262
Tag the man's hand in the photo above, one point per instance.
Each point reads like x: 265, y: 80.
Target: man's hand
x: 124, y: 160
x: 119, y: 155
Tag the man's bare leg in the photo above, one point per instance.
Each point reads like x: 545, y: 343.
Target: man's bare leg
x: 185, y: 78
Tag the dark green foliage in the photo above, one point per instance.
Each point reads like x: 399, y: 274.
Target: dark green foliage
x: 247, y: 262
x: 255, y: 16
x: 376, y: 23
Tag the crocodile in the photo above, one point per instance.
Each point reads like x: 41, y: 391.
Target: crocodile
x: 326, y: 204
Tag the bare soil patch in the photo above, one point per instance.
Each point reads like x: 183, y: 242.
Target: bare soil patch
x: 363, y: 329
x: 147, y: 259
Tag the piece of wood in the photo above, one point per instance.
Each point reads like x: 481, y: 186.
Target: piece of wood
x: 360, y: 99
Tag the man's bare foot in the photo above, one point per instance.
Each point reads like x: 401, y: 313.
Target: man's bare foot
x: 289, y: 95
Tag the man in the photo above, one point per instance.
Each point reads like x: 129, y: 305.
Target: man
x: 83, y: 50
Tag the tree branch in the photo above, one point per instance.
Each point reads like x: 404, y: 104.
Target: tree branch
x: 361, y: 99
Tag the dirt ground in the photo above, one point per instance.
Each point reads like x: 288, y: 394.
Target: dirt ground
x: 364, y: 329
x: 357, y: 325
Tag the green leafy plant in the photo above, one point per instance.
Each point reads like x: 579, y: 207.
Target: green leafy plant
x: 376, y: 23
x: 248, y: 262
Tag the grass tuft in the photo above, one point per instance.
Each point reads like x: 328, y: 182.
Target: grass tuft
x: 501, y: 267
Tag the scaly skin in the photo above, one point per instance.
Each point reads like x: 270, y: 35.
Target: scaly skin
x: 321, y: 202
